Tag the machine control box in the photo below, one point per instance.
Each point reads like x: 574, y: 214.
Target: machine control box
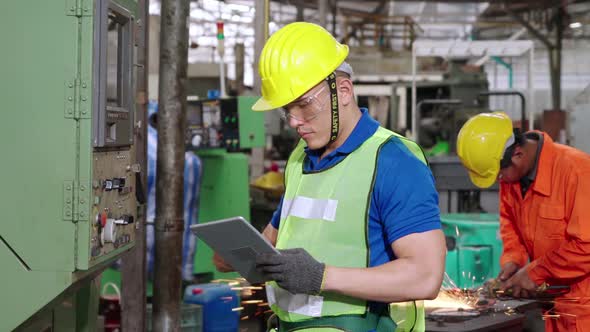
x: 227, y: 123
x: 114, y: 202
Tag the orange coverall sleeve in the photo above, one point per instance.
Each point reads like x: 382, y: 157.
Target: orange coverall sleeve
x: 513, y: 248
x: 572, y: 259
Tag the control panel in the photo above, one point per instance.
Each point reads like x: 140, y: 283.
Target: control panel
x: 231, y: 126
x: 112, y: 218
x: 227, y: 123
x: 207, y: 125
x: 114, y: 202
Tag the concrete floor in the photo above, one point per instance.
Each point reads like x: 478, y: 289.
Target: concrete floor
x: 251, y: 326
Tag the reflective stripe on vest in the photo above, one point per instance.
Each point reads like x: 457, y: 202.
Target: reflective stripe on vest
x: 326, y: 213
x: 309, y: 208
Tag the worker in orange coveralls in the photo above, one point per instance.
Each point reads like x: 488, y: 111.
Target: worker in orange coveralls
x: 544, y: 211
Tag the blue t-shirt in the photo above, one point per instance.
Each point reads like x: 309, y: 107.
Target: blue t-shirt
x: 192, y: 185
x: 404, y: 199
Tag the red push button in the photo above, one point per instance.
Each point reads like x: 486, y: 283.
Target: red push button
x: 103, y: 219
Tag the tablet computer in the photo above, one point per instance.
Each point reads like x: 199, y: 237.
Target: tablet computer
x: 237, y: 242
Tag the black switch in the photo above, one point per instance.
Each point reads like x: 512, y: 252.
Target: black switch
x: 107, y: 185
x: 128, y: 219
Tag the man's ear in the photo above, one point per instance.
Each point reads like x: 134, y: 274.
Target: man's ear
x: 518, y: 152
x: 345, y: 90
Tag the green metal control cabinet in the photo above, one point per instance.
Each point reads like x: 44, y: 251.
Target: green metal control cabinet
x: 252, y: 131
x: 227, y: 123
x: 224, y: 194
x: 474, y: 248
x: 69, y: 194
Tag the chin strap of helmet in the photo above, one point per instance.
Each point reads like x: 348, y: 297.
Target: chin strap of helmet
x: 335, y: 125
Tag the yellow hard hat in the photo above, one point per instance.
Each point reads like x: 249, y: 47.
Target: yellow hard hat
x: 481, y: 144
x: 295, y: 59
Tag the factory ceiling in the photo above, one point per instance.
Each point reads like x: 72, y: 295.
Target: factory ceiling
x: 384, y: 24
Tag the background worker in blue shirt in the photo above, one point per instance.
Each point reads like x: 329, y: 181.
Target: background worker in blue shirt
x: 358, y: 226
x: 192, y: 185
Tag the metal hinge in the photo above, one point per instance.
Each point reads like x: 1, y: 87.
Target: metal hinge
x: 77, y: 99
x: 83, y: 99
x: 68, y: 200
x: 75, y: 200
x: 82, y: 201
x: 78, y: 8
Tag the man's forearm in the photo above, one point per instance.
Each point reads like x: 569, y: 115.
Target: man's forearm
x: 397, y: 281
x: 513, y: 249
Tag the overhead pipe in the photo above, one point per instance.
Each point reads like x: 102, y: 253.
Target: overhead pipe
x: 507, y: 66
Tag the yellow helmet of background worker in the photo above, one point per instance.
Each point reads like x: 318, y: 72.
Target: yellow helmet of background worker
x: 481, y: 144
x: 295, y: 59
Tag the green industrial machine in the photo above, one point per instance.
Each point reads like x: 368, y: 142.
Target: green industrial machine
x: 228, y: 124
x: 224, y: 193
x: 220, y: 131
x: 69, y: 190
x: 474, y: 247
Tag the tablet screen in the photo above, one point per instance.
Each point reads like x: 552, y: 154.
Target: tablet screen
x: 237, y: 242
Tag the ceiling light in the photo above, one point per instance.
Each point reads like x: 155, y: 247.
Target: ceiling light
x: 575, y: 25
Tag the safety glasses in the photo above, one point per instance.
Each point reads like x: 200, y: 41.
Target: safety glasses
x: 304, y: 109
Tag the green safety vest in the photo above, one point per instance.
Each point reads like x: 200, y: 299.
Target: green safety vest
x: 327, y: 213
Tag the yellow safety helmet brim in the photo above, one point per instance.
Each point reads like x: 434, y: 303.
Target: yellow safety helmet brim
x: 262, y: 105
x: 294, y: 60
x: 484, y: 181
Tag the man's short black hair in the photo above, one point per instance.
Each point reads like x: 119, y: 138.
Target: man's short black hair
x: 519, y: 137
